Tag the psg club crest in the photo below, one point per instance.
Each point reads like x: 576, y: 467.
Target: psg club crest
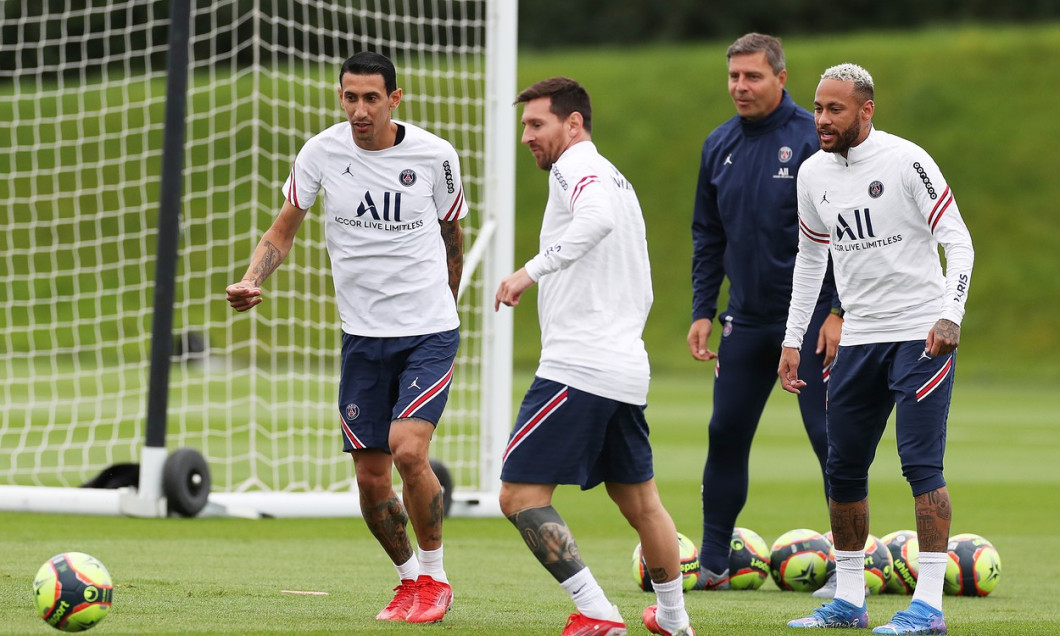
x: 875, y: 189
x: 407, y: 177
x: 352, y: 411
x: 784, y: 154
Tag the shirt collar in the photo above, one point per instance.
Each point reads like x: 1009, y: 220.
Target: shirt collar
x: 780, y: 114
x: 860, y: 152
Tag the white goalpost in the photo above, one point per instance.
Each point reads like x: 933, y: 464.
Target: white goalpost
x: 248, y: 408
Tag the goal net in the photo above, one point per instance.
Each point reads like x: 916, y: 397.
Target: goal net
x: 82, y: 101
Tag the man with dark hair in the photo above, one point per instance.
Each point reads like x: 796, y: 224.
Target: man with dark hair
x: 582, y: 420
x: 744, y: 227
x: 881, y: 207
x: 392, y: 222
x: 369, y: 63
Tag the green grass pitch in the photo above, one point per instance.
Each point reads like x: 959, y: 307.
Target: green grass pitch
x: 954, y: 91
x: 227, y: 576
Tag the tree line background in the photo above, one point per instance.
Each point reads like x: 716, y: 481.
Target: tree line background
x: 557, y: 23
x: 543, y: 24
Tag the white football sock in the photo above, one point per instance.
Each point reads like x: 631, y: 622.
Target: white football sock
x: 929, y: 580
x: 671, y: 596
x: 409, y: 570
x: 850, y: 576
x: 431, y: 564
x: 587, y: 595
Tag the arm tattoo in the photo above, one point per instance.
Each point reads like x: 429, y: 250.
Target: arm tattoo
x: 387, y: 521
x: 549, y: 538
x: 453, y: 237
x: 270, y: 260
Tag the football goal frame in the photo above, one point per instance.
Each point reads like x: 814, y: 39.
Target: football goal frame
x: 155, y: 146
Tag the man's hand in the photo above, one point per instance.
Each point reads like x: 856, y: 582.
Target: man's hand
x: 789, y: 370
x: 828, y: 338
x: 511, y: 289
x: 698, y: 334
x: 943, y: 338
x: 243, y: 295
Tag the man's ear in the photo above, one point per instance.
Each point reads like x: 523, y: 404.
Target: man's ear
x: 867, y: 109
x: 575, y: 123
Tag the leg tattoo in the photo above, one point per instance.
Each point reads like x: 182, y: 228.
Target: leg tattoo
x: 388, y: 522
x: 435, y: 514
x: 549, y: 538
x: 850, y: 524
x: 659, y: 575
x: 933, y: 515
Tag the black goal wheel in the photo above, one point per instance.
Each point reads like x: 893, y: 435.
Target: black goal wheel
x: 186, y: 482
x: 446, y: 480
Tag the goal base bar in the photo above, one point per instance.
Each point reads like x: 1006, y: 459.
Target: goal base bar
x: 80, y: 501
x: 328, y: 504
x: 253, y: 505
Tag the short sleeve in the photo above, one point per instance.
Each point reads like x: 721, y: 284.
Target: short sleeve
x: 303, y: 182
x: 448, y: 188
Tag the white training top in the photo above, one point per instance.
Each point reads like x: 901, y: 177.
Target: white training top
x: 381, y: 212
x: 594, y: 279
x: 882, y: 212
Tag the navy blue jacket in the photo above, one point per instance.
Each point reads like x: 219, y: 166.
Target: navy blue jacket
x: 745, y: 220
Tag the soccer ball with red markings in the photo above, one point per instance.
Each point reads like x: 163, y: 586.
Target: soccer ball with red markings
x: 879, y: 565
x: 799, y: 560
x: 748, y: 560
x: 905, y: 552
x: 73, y: 591
x: 974, y: 566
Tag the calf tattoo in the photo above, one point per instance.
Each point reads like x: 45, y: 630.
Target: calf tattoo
x: 850, y: 523
x: 549, y: 538
x: 435, y: 515
x: 388, y: 521
x: 933, y: 514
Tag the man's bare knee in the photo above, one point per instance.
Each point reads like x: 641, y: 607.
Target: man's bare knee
x: 516, y: 497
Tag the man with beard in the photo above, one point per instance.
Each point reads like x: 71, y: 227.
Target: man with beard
x: 745, y: 228
x: 582, y: 420
x: 395, y: 287
x: 881, y: 207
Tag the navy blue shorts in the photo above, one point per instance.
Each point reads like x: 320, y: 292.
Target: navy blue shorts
x: 566, y: 436
x: 867, y: 383
x: 387, y: 379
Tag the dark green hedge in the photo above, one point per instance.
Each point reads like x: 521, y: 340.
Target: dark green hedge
x: 552, y: 23
x: 101, y: 29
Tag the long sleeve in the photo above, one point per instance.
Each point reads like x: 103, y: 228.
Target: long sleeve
x: 810, y: 265
x: 594, y: 292
x: 956, y: 242
x: 924, y: 181
x: 590, y: 223
x: 708, y: 246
